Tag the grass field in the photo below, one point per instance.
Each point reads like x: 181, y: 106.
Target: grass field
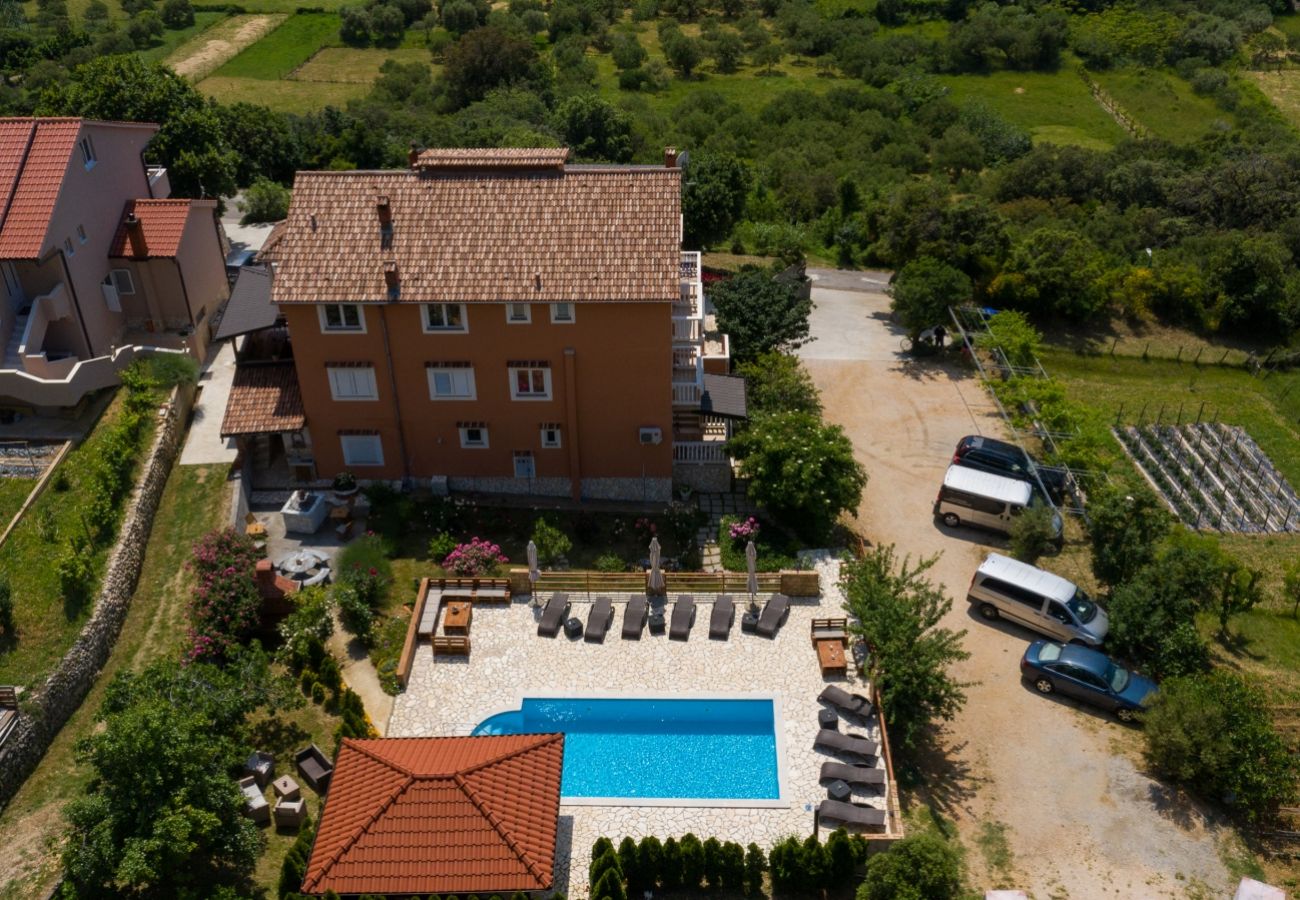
x: 1164, y: 103
x: 210, y: 49
x: 1283, y: 89
x: 352, y: 65
x: 173, y: 40
x: 286, y: 48
x: 283, y: 96
x: 13, y: 491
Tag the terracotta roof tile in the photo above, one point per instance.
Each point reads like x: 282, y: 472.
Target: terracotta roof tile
x: 440, y: 815
x: 37, y: 188
x: 164, y: 224
x: 14, y: 137
x: 580, y: 233
x: 493, y: 158
x: 263, y: 398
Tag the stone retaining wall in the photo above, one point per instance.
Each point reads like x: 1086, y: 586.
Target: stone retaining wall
x: 46, y: 709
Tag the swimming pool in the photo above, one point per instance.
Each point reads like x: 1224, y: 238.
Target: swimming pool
x: 656, y: 749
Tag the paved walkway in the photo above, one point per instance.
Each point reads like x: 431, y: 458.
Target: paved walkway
x: 205, y: 446
x: 732, y: 503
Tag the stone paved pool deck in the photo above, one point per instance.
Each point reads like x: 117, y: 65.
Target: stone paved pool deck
x: 452, y: 695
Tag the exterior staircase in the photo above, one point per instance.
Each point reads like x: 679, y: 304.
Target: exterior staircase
x: 11, y: 358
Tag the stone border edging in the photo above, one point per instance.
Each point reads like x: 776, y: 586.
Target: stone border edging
x: 51, y: 705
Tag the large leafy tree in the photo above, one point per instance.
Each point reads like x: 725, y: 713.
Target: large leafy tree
x: 800, y: 469
x: 777, y: 382
x: 761, y: 313
x: 595, y: 129
x: 713, y: 197
x: 922, y: 866
x: 897, y: 611
x: 484, y: 59
x: 192, y: 140
x: 1126, y: 524
x: 924, y: 290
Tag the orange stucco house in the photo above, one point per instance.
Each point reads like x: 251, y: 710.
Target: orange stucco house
x: 98, y: 265
x: 495, y: 321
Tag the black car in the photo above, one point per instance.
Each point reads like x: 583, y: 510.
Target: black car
x: 975, y: 451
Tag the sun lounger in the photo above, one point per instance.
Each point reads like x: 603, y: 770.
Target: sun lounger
x: 850, y: 814
x: 598, y: 620
x: 634, y: 618
x: 683, y: 618
x: 553, y: 615
x: 833, y: 771
x: 847, y: 744
x: 851, y: 704
x: 773, y: 615
x: 724, y: 614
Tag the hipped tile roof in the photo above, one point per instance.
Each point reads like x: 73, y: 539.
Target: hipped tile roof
x: 164, y: 225
x: 581, y: 233
x: 440, y: 815
x: 264, y: 397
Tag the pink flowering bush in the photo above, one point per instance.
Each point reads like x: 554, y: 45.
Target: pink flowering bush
x: 475, y: 558
x: 226, y: 603
x: 646, y: 528
x: 744, y: 531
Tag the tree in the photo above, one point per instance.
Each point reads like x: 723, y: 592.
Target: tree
x: 191, y: 141
x: 898, y: 611
x: 144, y: 29
x: 267, y: 146
x: 713, y: 863
x: 922, y: 866
x: 1125, y: 525
x: 595, y: 129
x: 727, y: 50
x: 484, y: 59
x: 800, y: 469
x: 841, y: 861
x: 459, y: 16
x: 692, y: 861
x: 761, y: 313
x: 755, y: 866
x: 387, y: 25
x: 1291, y: 587
x: 670, y: 865
x: 768, y: 56
x: 649, y: 860
x: 923, y: 291
x: 177, y: 14
x: 264, y: 201
x: 95, y: 15
x: 552, y: 543
x: 609, y: 886
x: 778, y: 382
x: 1033, y: 533
x: 1053, y: 271
x: 1215, y: 734
x: 683, y: 53
x: 629, y: 863
x: 713, y: 197
x: 1240, y: 593
x: 627, y: 52
x: 354, y: 26
x: 958, y: 152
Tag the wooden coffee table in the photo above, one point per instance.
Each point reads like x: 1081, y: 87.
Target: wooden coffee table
x: 455, y: 617
x: 830, y: 656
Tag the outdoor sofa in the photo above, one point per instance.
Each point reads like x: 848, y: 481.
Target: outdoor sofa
x: 598, y: 620
x: 724, y: 614
x: 634, y: 618
x: 314, y: 767
x: 553, y: 615
x: 683, y: 618
x: 255, y: 805
x: 847, y: 744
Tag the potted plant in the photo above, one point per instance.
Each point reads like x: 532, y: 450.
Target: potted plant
x: 345, y: 484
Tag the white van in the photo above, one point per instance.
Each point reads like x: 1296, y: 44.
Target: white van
x: 985, y: 500
x: 1005, y: 588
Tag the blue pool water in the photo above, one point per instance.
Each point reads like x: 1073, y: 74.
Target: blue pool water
x: 699, y: 749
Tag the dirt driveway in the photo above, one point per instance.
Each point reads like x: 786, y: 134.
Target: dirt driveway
x: 1079, y: 819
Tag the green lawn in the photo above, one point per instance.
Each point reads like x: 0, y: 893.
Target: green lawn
x: 174, y: 39
x: 285, y: 48
x: 283, y: 96
x: 356, y: 65
x: 1054, y: 107
x: 1163, y: 102
x: 13, y: 492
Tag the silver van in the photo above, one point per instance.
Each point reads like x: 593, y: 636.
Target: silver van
x: 971, y: 497
x: 1005, y: 588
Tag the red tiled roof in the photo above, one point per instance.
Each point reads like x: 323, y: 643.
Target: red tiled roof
x: 263, y: 398
x: 544, y: 235
x: 440, y: 815
x: 504, y: 158
x: 164, y: 224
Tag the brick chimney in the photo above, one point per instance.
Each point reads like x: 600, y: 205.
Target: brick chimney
x: 385, y: 211
x: 391, y: 280
x: 135, y: 234
x: 264, y: 572
x: 670, y: 157
x: 413, y: 155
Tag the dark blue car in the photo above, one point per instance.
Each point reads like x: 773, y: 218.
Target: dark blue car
x: 1087, y: 675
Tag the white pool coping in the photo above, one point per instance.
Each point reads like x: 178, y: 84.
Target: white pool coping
x: 781, y: 801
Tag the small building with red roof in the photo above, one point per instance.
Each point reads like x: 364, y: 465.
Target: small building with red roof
x: 440, y: 815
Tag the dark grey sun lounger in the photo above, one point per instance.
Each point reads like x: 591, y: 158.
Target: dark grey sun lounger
x: 850, y: 813
x: 848, y: 744
x: 833, y: 771
x: 683, y: 618
x: 724, y: 614
x: 773, y: 615
x: 852, y: 704
x: 553, y: 615
x: 634, y: 618
x: 599, y: 620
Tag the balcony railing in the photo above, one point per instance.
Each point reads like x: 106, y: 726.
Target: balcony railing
x: 687, y: 330
x: 686, y: 394
x: 699, y: 452
x: 690, y: 265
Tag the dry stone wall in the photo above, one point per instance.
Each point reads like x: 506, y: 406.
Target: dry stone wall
x: 48, y: 707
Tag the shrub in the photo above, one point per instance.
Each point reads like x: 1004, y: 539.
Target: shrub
x: 649, y: 860
x: 692, y: 852
x: 355, y: 613
x: 6, y: 607
x: 1126, y: 523
x: 1010, y: 331
x: 924, y: 289
x: 609, y: 562
x: 628, y: 862
x: 778, y: 382
x: 609, y: 886
x: 1215, y: 734
x: 304, y: 631
x: 840, y: 860
x: 755, y: 866
x: 744, y: 531
x: 552, y: 543
x: 1033, y: 533
x: 602, y: 858
x: 440, y: 545
x: 786, y: 860
x: 670, y: 865
x: 733, y: 867
x: 713, y: 863
x: 178, y: 14
x: 475, y: 558
x: 364, y: 564
x: 318, y: 693
x: 226, y: 602
x: 264, y: 201
x: 921, y: 865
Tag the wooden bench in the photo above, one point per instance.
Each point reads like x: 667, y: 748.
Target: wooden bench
x: 451, y: 646
x: 830, y: 630
x: 479, y: 590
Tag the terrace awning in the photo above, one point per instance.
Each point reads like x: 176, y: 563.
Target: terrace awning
x: 723, y: 395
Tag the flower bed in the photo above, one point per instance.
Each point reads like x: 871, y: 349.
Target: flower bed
x: 775, y: 552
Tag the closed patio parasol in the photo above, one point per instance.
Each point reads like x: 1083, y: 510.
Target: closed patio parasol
x: 751, y: 567
x: 656, y: 582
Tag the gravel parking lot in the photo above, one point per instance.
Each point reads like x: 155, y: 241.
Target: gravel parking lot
x: 1079, y: 817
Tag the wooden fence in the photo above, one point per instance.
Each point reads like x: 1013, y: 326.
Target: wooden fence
x: 790, y: 583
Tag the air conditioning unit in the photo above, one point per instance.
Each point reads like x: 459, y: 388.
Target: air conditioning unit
x: 652, y: 436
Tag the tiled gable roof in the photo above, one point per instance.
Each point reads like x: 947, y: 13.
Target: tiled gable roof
x: 440, y: 815
x: 581, y: 233
x: 163, y: 222
x: 264, y: 397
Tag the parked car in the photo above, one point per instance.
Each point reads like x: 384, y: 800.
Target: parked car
x: 1003, y: 458
x: 1089, y: 676
x: 986, y: 500
x: 1003, y: 587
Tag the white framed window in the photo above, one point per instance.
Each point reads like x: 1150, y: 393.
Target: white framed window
x: 67, y: 246
x: 524, y: 465
x: 342, y: 317
x: 519, y: 313
x: 352, y: 383
x: 473, y: 436
x: 123, y: 281
x: 81, y: 234
x: 445, y: 317
x: 362, y: 449
x: 530, y: 383
x: 550, y: 437
x: 451, y: 383
x: 87, y: 152
x: 562, y: 314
